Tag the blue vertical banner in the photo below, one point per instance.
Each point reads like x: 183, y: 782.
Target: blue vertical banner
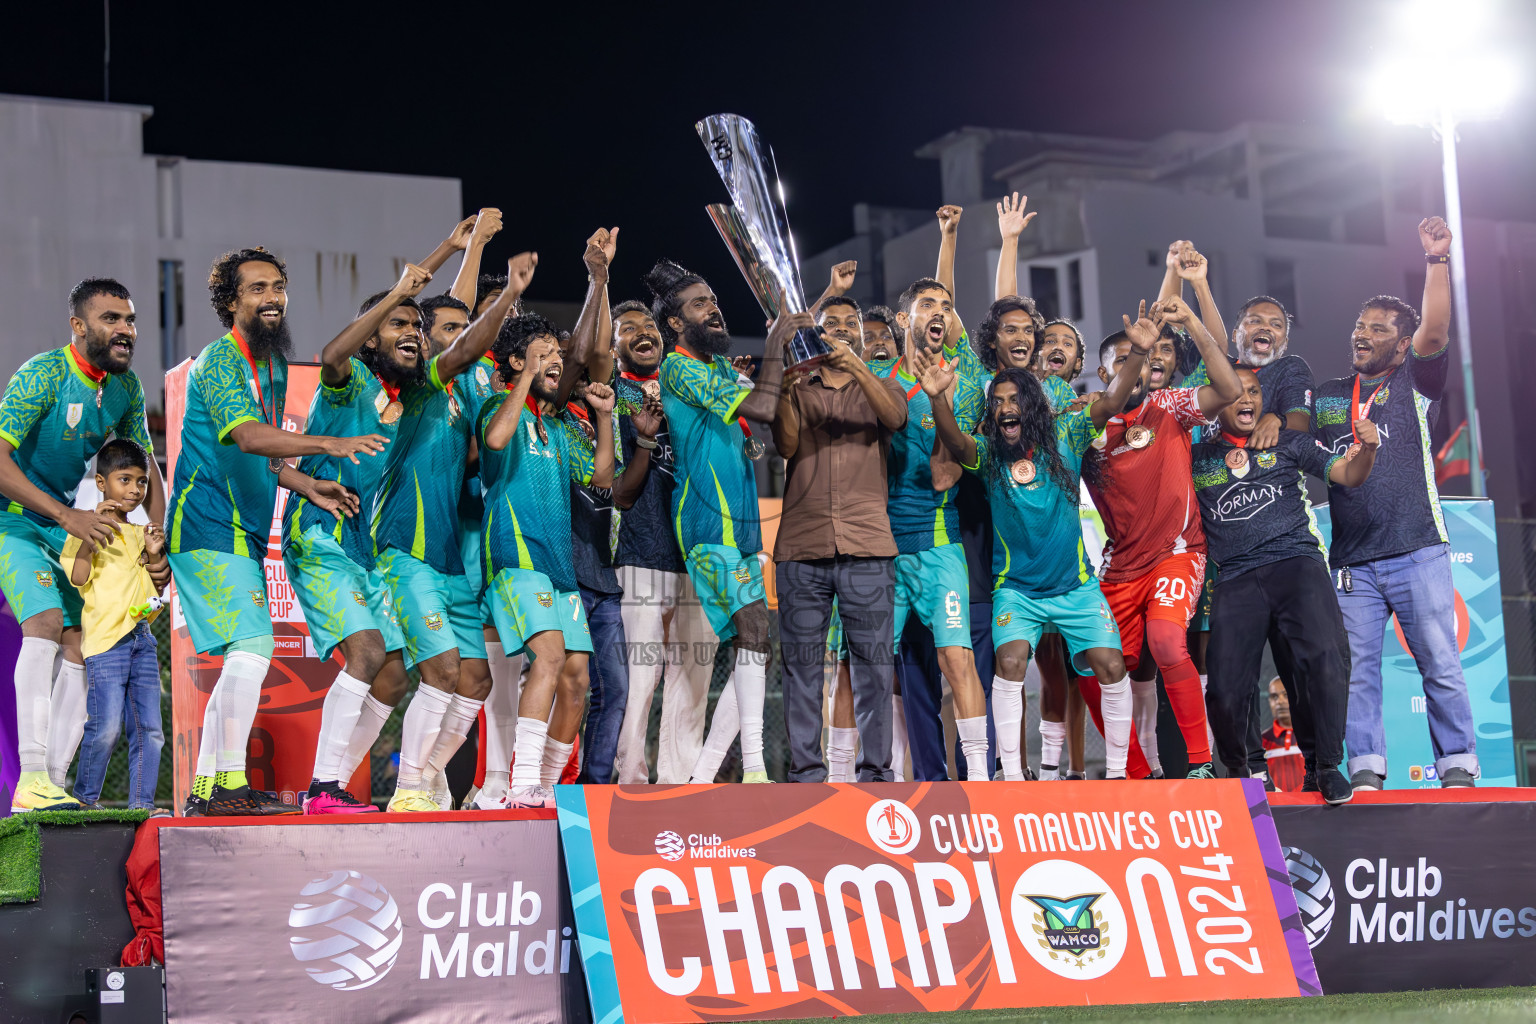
x: 1480, y: 638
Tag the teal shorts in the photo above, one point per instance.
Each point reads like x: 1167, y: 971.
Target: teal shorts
x: 935, y: 586
x: 837, y: 643
x: 223, y: 597
x: 1081, y: 616
x: 31, y: 577
x: 436, y: 612
x: 727, y: 580
x: 524, y: 604
x: 338, y: 596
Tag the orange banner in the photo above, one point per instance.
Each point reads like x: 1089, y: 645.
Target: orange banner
x: 281, y: 751
x: 833, y: 900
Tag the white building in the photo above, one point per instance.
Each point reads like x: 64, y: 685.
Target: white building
x: 80, y: 198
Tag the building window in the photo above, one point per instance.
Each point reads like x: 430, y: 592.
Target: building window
x: 1280, y: 282
x: 1045, y: 289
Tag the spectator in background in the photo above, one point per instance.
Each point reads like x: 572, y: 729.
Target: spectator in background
x: 1282, y: 757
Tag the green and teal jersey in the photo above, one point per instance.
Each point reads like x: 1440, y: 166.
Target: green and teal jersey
x: 527, y: 521
x: 477, y: 389
x: 418, y: 498
x: 56, y: 417
x: 1057, y: 390
x: 222, y: 498
x: 1037, y: 545
x: 352, y: 409
x: 922, y: 518
x: 714, y: 491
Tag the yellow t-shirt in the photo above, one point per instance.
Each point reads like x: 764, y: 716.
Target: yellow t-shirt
x: 117, y: 583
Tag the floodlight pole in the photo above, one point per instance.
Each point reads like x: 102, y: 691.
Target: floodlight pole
x: 1447, y: 126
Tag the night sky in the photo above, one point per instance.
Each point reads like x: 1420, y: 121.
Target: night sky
x: 568, y: 115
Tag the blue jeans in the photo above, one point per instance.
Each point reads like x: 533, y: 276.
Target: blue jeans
x: 123, y: 685
x: 921, y: 695
x: 1417, y: 586
x: 608, y: 673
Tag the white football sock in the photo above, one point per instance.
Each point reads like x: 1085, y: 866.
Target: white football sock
x: 723, y: 727
x: 231, y: 710
x: 898, y: 739
x: 1115, y: 706
x: 500, y: 717
x: 370, y: 722
x: 66, y: 719
x: 973, y: 744
x: 457, y: 720
x: 1144, y: 715
x: 34, y: 690
x: 338, y: 720
x: 556, y: 756
x: 1008, y: 720
x: 418, y: 734
x: 532, y: 735
x: 1210, y: 736
x: 840, y: 753
x: 751, y: 682
x: 1053, y: 736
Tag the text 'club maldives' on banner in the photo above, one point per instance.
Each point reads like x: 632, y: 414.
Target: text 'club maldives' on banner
x: 699, y: 903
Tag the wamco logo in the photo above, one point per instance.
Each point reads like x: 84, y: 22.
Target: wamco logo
x: 348, y: 930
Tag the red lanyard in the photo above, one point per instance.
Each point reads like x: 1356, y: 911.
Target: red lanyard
x: 897, y: 371
x: 1361, y: 410
x: 96, y: 376
x: 741, y: 421
x: 245, y: 350
x: 636, y: 377
x: 1237, y: 440
x: 392, y: 392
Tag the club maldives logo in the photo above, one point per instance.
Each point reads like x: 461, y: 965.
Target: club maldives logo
x: 1075, y: 920
x: 670, y: 845
x: 1314, y: 893
x: 892, y: 826
x: 347, y: 930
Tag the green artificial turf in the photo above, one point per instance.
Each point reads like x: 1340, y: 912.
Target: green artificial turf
x: 1443, y: 1006
x: 21, y: 847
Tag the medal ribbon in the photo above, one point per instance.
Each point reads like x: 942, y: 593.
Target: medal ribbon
x: 261, y: 399
x: 636, y: 377
x: 96, y: 376
x: 1362, y: 410
x: 392, y: 392
x: 741, y: 421
x: 1236, y: 440
x: 899, y: 374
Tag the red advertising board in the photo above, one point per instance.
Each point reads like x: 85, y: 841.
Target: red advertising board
x: 280, y: 755
x: 834, y: 900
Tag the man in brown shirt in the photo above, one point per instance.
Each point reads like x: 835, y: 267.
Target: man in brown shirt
x: 834, y: 541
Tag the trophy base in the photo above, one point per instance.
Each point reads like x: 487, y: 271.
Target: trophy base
x: 805, y: 350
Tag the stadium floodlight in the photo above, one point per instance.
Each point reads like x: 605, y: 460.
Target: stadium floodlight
x: 1440, y: 74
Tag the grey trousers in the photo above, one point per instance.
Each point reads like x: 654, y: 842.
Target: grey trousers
x: 865, y: 589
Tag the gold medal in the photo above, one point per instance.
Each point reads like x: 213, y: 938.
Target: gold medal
x: 391, y: 412
x: 1138, y: 436
x: 1237, y: 462
x: 1022, y: 472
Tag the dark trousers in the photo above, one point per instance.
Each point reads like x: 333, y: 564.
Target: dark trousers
x: 865, y: 589
x: 608, y: 674
x: 1293, y: 600
x: 922, y: 694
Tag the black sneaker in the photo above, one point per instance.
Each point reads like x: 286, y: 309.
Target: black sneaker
x: 1269, y: 784
x: 1367, y: 779
x: 243, y: 801
x: 1334, y: 787
x: 195, y: 807
x: 1074, y: 777
x: 1457, y: 778
x: 1309, y: 782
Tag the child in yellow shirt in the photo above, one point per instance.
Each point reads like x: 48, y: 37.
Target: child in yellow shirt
x: 122, y: 668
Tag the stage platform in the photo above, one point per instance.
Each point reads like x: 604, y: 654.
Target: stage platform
x: 400, y: 917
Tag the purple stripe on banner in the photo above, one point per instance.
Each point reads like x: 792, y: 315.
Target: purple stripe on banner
x: 10, y: 650
x: 1280, y: 889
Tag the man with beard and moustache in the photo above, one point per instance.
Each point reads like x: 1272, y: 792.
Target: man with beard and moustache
x: 833, y: 429
x: 932, y: 579
x: 1390, y: 553
x: 528, y: 456
x: 58, y: 409
x: 1272, y: 578
x: 714, y: 499
x: 419, y: 556
x: 220, y: 511
x: 1155, y: 562
x: 1030, y: 459
x: 330, y: 562
x: 883, y: 339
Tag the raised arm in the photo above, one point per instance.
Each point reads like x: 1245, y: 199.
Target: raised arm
x: 592, y: 340
x: 1224, y: 388
x: 503, y: 425
x: 336, y: 358
x: 949, y: 235
x: 1172, y: 284
x: 1142, y: 335
x: 842, y: 280
x: 485, y: 225
x: 647, y: 422
x: 1434, y: 331
x: 600, y: 399
x: 475, y: 339
x: 936, y: 380
x: 457, y: 239
x: 1194, y: 268
x: 763, y: 403
x: 1355, y: 467
x: 1011, y: 222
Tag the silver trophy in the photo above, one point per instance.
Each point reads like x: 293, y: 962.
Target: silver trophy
x: 755, y: 227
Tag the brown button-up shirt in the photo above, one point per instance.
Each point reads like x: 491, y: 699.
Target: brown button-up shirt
x: 835, y: 493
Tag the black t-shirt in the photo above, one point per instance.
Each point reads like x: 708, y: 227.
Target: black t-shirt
x: 1262, y: 515
x: 591, y: 553
x: 1396, y: 510
x: 1286, y: 383
x: 646, y: 536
